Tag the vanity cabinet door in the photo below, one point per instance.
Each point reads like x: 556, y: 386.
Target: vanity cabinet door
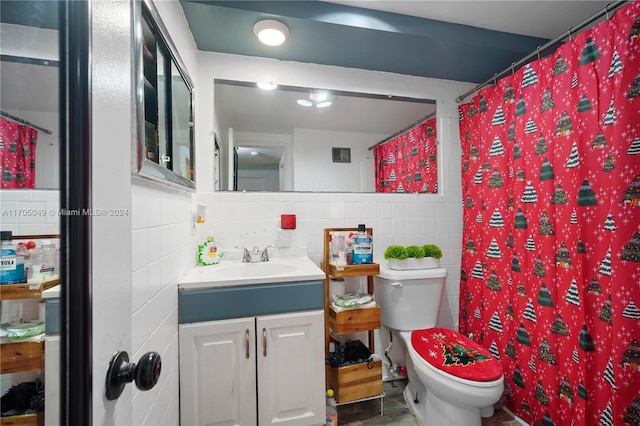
x: 290, y: 358
x: 218, y: 373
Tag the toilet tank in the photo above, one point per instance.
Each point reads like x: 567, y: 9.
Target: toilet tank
x: 409, y: 299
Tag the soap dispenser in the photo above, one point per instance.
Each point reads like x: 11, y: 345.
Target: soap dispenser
x: 208, y: 252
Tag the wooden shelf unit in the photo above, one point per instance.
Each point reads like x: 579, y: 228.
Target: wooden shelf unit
x: 23, y: 356
x: 26, y: 290
x: 356, y: 382
x: 23, y: 420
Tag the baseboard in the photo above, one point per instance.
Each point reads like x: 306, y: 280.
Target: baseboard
x: 516, y: 418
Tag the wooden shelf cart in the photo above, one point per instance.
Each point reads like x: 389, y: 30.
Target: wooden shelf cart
x: 23, y: 356
x: 357, y: 382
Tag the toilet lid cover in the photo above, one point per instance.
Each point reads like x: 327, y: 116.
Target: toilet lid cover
x: 455, y: 354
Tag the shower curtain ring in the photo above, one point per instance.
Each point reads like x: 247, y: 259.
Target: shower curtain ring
x: 606, y: 11
x: 513, y: 71
x: 569, y: 32
x: 538, y: 51
x: 494, y: 79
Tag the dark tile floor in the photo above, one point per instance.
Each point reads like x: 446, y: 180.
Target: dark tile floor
x: 397, y: 413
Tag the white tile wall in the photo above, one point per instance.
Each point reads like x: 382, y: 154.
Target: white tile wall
x: 30, y: 212
x: 163, y: 251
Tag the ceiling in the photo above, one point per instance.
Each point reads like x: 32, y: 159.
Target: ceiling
x: 465, y: 41
x: 348, y: 112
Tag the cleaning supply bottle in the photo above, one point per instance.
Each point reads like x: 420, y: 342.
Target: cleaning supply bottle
x: 35, y: 264
x: 209, y: 253
x: 362, y: 247
x: 11, y: 264
x: 48, y: 266
x: 332, y: 409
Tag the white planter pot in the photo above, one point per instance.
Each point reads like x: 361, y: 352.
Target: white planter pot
x: 413, y: 263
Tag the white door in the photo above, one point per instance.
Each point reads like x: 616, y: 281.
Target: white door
x: 218, y: 373
x: 290, y: 358
x: 111, y: 133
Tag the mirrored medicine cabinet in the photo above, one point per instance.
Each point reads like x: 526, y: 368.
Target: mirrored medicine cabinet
x: 164, y: 150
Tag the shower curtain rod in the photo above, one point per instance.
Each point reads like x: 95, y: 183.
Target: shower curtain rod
x: 608, y: 8
x: 25, y: 122
x: 410, y: 126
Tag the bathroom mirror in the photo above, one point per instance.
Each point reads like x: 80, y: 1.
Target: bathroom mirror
x: 29, y: 96
x: 284, y: 139
x: 164, y: 108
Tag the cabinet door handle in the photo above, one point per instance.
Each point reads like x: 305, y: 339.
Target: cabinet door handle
x: 264, y: 342
x: 246, y: 343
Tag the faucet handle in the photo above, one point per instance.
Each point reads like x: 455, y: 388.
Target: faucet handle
x: 264, y: 256
x: 246, y: 256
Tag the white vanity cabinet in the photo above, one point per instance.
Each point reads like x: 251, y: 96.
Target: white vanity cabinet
x: 260, y: 369
x: 270, y: 366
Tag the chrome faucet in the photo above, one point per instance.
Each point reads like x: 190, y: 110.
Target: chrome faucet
x: 255, y: 254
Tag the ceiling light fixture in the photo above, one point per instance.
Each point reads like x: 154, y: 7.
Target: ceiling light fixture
x: 266, y: 86
x: 271, y: 33
x: 319, y: 98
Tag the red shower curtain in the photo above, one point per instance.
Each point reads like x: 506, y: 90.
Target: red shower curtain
x: 408, y: 162
x: 18, y: 148
x: 550, y: 278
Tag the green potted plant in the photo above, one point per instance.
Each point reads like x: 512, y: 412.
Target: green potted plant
x: 395, y: 252
x: 413, y: 256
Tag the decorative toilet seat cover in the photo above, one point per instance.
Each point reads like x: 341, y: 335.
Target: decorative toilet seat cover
x: 455, y: 354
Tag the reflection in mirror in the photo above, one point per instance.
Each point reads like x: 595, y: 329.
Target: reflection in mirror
x: 182, y: 125
x: 29, y: 126
x: 284, y: 138
x: 30, y: 145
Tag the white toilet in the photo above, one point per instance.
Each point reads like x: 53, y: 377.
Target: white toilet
x: 452, y: 379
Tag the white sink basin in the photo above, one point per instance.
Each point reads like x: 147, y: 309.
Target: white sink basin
x: 256, y: 269
x: 233, y: 273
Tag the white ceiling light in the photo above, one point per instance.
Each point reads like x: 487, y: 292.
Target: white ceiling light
x: 304, y: 102
x: 271, y: 33
x: 319, y: 98
x: 267, y: 86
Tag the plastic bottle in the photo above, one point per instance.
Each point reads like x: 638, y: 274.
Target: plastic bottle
x: 362, y: 247
x: 332, y: 409
x: 35, y: 264
x: 48, y: 264
x: 11, y: 265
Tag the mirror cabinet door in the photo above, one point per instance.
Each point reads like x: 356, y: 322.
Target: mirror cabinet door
x: 165, y: 149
